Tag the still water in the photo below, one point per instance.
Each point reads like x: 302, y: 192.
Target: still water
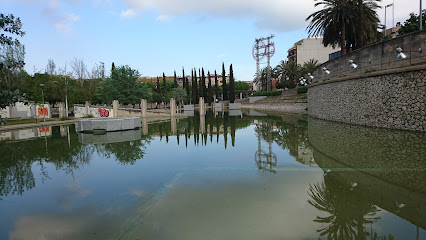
x: 248, y: 176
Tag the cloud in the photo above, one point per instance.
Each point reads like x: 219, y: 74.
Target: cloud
x: 128, y: 13
x: 64, y: 23
x: 279, y: 15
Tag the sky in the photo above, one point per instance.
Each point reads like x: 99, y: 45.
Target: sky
x: 156, y: 36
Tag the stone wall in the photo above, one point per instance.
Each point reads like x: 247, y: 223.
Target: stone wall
x: 381, y: 92
x: 395, y: 101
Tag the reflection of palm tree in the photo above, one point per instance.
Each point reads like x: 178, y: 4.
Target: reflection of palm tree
x: 348, y: 210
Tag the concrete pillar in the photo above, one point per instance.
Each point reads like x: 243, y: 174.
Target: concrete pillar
x: 10, y: 111
x: 241, y: 95
x: 203, y: 123
x: 144, y: 126
x: 172, y: 107
x: 86, y: 108
x: 115, y: 108
x: 173, y: 125
x: 144, y: 106
x: 202, y: 106
x: 61, y: 106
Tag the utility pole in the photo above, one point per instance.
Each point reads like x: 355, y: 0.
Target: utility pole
x: 260, y: 50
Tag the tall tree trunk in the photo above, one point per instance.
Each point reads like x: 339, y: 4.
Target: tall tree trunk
x: 343, y: 39
x: 360, y: 42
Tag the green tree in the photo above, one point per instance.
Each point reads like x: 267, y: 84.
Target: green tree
x: 9, y: 25
x: 179, y: 94
x: 12, y: 55
x: 175, y: 81
x: 216, y: 85
x: 309, y: 66
x: 338, y: 22
x: 231, y: 85
x: 210, y: 90
x: 241, y: 86
x: 122, y: 86
x: 412, y: 24
x: 224, y: 88
x: 164, y: 92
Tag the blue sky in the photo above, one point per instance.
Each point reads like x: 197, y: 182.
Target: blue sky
x: 155, y: 36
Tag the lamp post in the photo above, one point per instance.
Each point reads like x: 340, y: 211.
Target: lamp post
x: 42, y: 97
x: 389, y: 5
x: 420, y: 15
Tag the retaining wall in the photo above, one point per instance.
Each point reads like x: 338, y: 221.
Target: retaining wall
x: 381, y: 92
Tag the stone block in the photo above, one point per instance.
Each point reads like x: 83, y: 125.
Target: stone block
x: 188, y: 107
x: 234, y: 106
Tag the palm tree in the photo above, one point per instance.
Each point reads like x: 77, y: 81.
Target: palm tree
x: 288, y: 72
x: 309, y: 66
x: 339, y: 23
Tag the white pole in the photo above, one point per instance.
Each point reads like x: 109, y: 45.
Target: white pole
x: 385, y: 20
x: 420, y: 16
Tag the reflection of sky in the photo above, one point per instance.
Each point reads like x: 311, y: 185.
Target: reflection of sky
x: 176, y: 193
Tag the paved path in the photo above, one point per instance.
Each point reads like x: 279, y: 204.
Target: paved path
x: 40, y: 124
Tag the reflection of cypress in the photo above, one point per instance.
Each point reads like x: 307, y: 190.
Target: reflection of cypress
x: 186, y: 137
x: 225, y: 128
x: 211, y: 131
x: 233, y: 130
x: 177, y: 137
x: 160, y: 128
x: 205, y: 138
x: 167, y: 134
x: 217, y: 129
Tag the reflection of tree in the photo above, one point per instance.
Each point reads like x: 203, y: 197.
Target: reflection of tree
x: 348, y: 210
x: 18, y: 158
x: 127, y: 152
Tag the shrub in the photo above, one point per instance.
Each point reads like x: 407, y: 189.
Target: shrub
x: 272, y: 93
x: 303, y: 89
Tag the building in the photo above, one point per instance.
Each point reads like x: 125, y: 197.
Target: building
x: 309, y: 48
x: 394, y: 30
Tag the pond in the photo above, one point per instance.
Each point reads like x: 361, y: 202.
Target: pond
x: 249, y: 176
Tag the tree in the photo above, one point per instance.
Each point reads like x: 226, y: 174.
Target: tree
x: 338, y: 22
x: 210, y: 92
x: 194, y: 97
x: 216, y: 85
x: 9, y: 25
x: 112, y: 66
x: 79, y: 69
x: 179, y: 94
x: 288, y: 73
x: 231, y: 85
x: 175, y: 81
x: 122, y: 86
x: 197, y: 89
x: 50, y: 67
x: 412, y: 23
x: 309, y: 66
x: 241, y: 86
x: 164, y: 87
x: 224, y: 88
x: 203, y: 83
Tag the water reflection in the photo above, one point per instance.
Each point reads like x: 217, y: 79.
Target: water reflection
x: 337, y: 181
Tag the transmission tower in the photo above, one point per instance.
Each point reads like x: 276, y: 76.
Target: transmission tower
x: 259, y: 51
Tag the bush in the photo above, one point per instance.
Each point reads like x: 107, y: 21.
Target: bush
x: 272, y: 93
x: 303, y: 89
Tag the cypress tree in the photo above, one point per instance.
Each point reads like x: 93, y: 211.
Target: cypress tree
x: 224, y: 88
x: 203, y: 82
x: 210, y: 95
x: 231, y: 85
x: 183, y: 78
x: 194, y: 95
x: 158, y: 90
x: 197, y: 94
x: 187, y: 86
x: 175, y: 81
x: 216, y: 85
x: 164, y: 86
x: 201, y: 87
x: 112, y: 67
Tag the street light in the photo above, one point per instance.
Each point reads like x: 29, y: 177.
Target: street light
x: 389, y: 5
x: 42, y: 97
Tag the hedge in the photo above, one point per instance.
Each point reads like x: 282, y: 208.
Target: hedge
x: 272, y: 93
x: 303, y: 89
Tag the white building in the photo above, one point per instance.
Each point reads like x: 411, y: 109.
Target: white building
x: 310, y: 48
